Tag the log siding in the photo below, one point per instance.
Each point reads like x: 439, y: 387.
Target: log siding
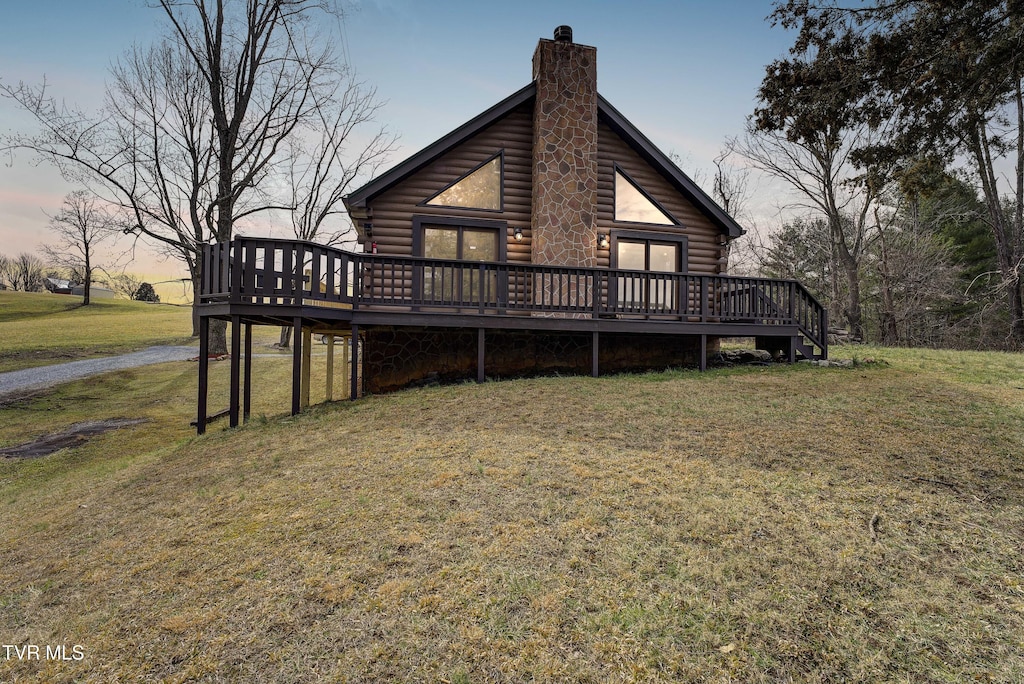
x: 703, y: 237
x: 392, y: 212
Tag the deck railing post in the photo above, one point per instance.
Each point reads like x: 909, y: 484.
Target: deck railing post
x: 792, y: 304
x: 235, y: 275
x: 705, y: 298
x: 298, y: 275
x: 481, y: 273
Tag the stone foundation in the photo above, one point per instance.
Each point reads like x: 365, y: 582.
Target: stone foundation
x: 394, y: 358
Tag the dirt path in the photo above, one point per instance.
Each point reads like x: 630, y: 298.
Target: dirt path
x: 28, y: 379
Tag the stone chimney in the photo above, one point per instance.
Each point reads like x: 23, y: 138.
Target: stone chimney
x: 564, y: 220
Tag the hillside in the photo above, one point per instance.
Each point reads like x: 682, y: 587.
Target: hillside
x: 40, y: 328
x: 757, y: 525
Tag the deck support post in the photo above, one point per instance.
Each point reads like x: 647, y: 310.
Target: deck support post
x: 480, y: 354
x: 354, y: 390
x: 247, y: 397
x: 236, y: 353
x: 703, y: 353
x: 330, y: 367
x: 792, y: 349
x: 344, y: 351
x: 297, y: 366
x: 204, y: 374
x: 594, y: 354
x: 307, y: 353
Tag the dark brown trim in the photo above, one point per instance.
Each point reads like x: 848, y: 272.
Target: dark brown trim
x: 501, y: 190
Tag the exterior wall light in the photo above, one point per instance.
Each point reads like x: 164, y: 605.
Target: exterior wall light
x: 602, y: 241
x: 518, y: 234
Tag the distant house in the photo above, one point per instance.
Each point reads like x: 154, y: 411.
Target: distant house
x: 545, y: 234
x: 95, y: 292
x: 57, y: 285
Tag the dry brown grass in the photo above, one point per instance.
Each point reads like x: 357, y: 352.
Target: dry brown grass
x: 668, y: 527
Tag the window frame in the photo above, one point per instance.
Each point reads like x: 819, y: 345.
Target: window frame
x: 647, y: 237
x: 500, y: 156
x: 617, y: 169
x: 500, y: 228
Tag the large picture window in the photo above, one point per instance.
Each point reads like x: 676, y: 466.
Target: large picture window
x: 459, y: 240
x: 646, y: 291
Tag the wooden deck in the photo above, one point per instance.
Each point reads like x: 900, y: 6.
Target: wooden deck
x: 313, y: 287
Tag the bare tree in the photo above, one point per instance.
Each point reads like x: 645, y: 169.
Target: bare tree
x: 321, y: 172
x: 24, y: 272
x: 123, y: 284
x: 193, y: 139
x: 817, y: 167
x: 80, y: 226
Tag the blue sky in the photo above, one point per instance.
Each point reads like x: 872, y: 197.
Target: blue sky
x: 686, y: 73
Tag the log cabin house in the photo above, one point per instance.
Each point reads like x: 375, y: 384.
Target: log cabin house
x: 546, y: 234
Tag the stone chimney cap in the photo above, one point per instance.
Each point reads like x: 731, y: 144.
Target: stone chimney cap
x: 563, y: 34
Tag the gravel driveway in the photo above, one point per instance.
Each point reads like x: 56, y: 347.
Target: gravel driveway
x: 47, y: 376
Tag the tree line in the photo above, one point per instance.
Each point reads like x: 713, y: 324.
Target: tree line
x: 897, y: 124
x: 899, y: 127
x: 26, y: 272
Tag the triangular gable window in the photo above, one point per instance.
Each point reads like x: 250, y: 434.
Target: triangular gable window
x: 634, y: 205
x: 478, y: 189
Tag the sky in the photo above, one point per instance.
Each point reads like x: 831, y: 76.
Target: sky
x: 685, y: 73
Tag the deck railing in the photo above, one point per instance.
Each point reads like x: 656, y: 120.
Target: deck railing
x: 291, y: 272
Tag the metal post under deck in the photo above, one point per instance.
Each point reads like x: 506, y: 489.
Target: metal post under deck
x: 204, y: 373
x: 236, y: 353
x: 307, y: 352
x: 480, y: 354
x: 329, y: 391
x: 297, y: 365
x: 354, y: 391
x: 247, y: 397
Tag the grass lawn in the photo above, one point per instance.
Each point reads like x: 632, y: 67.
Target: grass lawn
x: 37, y: 329
x: 756, y: 525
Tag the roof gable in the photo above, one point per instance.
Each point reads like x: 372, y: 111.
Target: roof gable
x: 357, y: 201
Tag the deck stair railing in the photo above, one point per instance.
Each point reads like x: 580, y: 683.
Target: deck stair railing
x: 270, y: 271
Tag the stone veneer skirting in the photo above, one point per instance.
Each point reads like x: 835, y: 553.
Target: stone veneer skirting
x: 401, y: 357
